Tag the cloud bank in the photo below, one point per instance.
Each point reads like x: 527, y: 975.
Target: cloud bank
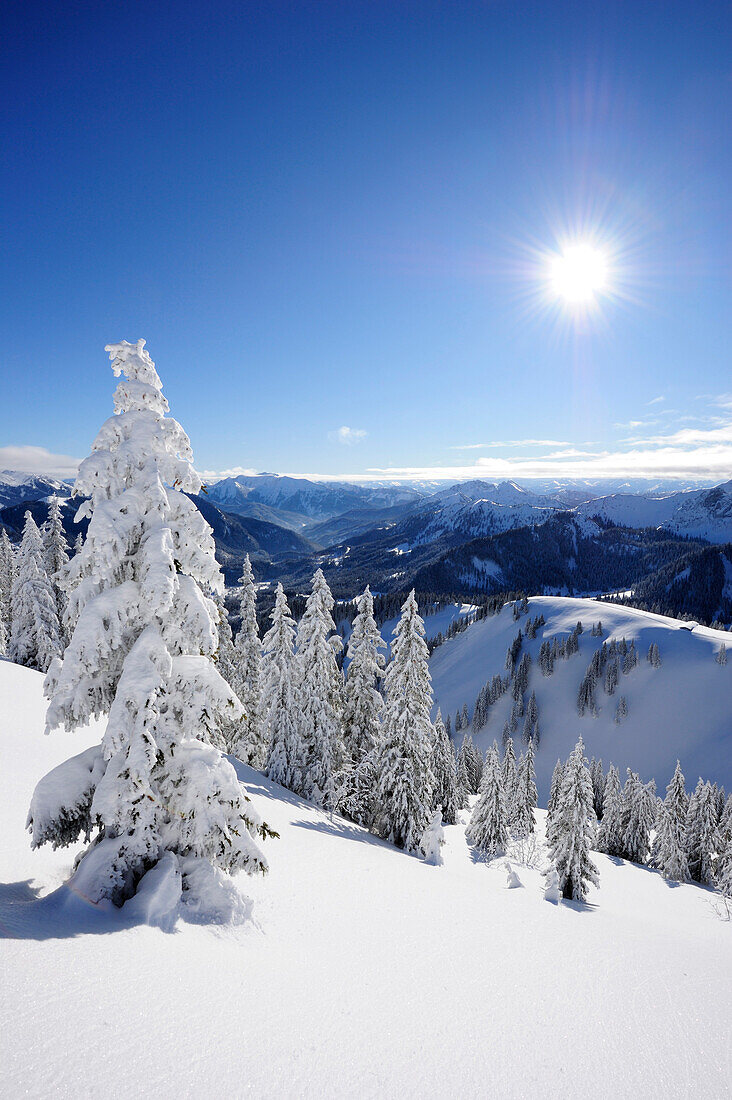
x: 38, y: 460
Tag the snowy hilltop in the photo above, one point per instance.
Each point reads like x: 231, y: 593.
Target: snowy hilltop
x: 675, y: 709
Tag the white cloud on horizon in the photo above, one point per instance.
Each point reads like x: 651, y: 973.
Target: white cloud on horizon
x: 347, y: 436
x: 38, y: 460
x: 510, y: 443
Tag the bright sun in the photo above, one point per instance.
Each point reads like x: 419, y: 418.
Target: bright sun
x: 578, y: 273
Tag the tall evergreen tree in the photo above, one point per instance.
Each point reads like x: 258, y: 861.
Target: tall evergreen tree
x: 508, y: 780
x: 556, y: 786
x: 228, y: 730
x: 610, y: 833
x: 363, y: 701
x: 701, y: 834
x: 281, y: 699
x: 56, y: 555
x: 598, y: 786
x: 363, y: 713
x: 141, y: 655
x: 445, y: 774
x: 252, y: 744
x: 7, y: 579
x: 404, y: 780
x: 35, y: 637
x: 669, y: 846
x: 573, y: 832
x: 321, y: 695
x: 488, y: 827
x: 640, y: 808
x: 526, y: 794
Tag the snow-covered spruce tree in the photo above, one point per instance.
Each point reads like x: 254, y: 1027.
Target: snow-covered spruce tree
x: 555, y: 787
x: 721, y: 657
x: 610, y: 833
x: 363, y: 707
x: 640, y: 808
x: 598, y: 786
x: 621, y: 711
x: 669, y: 845
x: 723, y: 869
x: 477, y: 764
x: 35, y: 636
x: 404, y: 780
x: 508, y: 779
x: 701, y: 834
x: 141, y: 653
x: 280, y: 699
x: 321, y: 695
x: 251, y: 745
x: 56, y: 556
x: 488, y: 827
x: 445, y: 793
x: 362, y: 714
x: 462, y: 783
x: 7, y: 578
x: 573, y: 831
x: 526, y: 795
x: 531, y: 721
x: 227, y: 734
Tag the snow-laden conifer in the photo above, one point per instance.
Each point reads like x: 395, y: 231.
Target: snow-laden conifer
x: 508, y: 779
x: 7, y: 577
x: 621, y: 711
x: 555, y: 787
x: 251, y: 745
x: 363, y: 711
x: 227, y: 734
x: 598, y: 786
x: 56, y: 555
x: 321, y: 695
x: 404, y: 780
x: 721, y: 657
x: 639, y: 814
x: 141, y: 654
x: 462, y: 783
x: 701, y: 834
x: 35, y: 635
x: 573, y: 832
x: 525, y: 799
x: 488, y: 826
x: 363, y: 708
x: 723, y: 869
x: 610, y: 833
x: 669, y: 845
x: 280, y: 699
x: 445, y: 792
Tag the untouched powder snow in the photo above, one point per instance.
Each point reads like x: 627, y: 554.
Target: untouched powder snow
x: 362, y: 972
x: 681, y: 710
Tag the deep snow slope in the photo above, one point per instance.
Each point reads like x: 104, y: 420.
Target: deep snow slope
x: 363, y: 972
x: 682, y: 709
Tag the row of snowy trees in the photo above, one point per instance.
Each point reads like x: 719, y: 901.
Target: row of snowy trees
x: 686, y: 838
x: 33, y: 626
x: 506, y: 801
x: 342, y: 742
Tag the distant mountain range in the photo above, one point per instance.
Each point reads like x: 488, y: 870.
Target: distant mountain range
x: 473, y: 536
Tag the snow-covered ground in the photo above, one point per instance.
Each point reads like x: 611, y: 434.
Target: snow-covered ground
x: 363, y: 972
x: 680, y: 710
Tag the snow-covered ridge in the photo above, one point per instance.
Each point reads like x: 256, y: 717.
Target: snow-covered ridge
x: 680, y: 710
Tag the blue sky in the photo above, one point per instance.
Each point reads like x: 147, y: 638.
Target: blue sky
x: 332, y: 221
